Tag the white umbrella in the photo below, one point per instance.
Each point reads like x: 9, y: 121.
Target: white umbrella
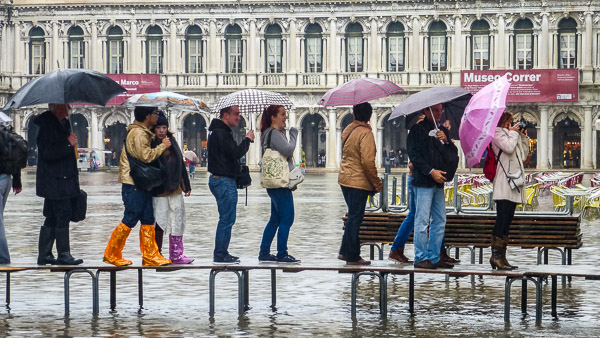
x: 4, y: 117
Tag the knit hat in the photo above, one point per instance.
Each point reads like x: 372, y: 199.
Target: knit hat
x: 162, y: 119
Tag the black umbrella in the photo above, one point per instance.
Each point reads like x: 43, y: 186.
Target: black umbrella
x: 65, y: 86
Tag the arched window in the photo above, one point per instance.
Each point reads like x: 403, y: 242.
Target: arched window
x: 114, y: 50
x: 76, y: 47
x: 395, y: 46
x: 437, y: 46
x: 480, y: 40
x: 273, y: 48
x: 193, y: 42
x: 314, y: 48
x: 523, y: 44
x: 234, y: 52
x: 37, y: 51
x: 567, y: 43
x: 354, y: 48
x: 154, y: 50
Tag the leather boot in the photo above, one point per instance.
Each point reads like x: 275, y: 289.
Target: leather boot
x: 63, y: 247
x: 176, y: 250
x: 45, y: 244
x: 504, y: 245
x: 398, y: 256
x: 159, y: 237
x: 496, y: 260
x: 114, y: 249
x: 150, y: 254
x: 447, y: 259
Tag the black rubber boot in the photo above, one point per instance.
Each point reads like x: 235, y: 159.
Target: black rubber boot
x: 45, y: 244
x: 63, y: 247
x: 158, y: 235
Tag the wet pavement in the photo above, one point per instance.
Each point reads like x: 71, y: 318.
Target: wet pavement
x: 309, y: 303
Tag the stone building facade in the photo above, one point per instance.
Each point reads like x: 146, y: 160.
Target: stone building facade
x: 207, y: 49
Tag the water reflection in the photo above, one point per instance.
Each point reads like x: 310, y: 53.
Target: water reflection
x: 308, y: 303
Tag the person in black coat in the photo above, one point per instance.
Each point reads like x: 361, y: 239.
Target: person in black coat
x: 57, y: 181
x: 224, y: 166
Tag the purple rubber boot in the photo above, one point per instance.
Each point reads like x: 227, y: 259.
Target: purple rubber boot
x: 176, y: 251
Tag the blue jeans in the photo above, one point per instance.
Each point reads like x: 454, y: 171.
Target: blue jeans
x: 5, y: 185
x: 356, y: 200
x: 431, y: 212
x: 225, y: 191
x: 409, y: 222
x: 138, y: 206
x: 282, y: 218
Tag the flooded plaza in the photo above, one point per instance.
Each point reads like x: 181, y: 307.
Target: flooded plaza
x: 308, y: 303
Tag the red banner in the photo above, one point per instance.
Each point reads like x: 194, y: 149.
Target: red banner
x: 135, y: 84
x: 531, y: 85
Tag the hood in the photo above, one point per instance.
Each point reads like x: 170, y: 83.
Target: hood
x: 139, y: 125
x: 218, y: 124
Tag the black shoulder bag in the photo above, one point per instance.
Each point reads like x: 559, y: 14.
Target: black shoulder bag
x: 146, y: 176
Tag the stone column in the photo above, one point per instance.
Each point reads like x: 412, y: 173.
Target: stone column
x: 172, y: 46
x: 298, y: 151
x: 55, y: 45
x: 17, y: 54
x: 588, y: 132
x: 375, y: 130
x: 415, y: 47
x: 457, y: 57
x: 95, y: 134
x: 253, y: 50
x: 253, y: 152
x: 213, y: 56
x: 292, y: 68
x: 94, y: 46
x: 173, y: 125
x: 500, y: 44
x: 333, y: 66
x: 543, y: 138
x: 133, y: 59
x: 544, y: 43
x: 292, y: 115
x: 588, y: 50
x: 374, y: 55
x: 338, y: 136
x: 331, y: 139
x: 379, y: 141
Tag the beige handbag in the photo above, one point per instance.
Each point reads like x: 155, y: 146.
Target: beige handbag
x: 275, y: 172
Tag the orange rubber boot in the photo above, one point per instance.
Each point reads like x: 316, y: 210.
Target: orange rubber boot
x: 113, y: 253
x: 150, y: 254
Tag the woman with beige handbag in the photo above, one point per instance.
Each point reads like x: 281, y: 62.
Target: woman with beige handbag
x: 277, y: 162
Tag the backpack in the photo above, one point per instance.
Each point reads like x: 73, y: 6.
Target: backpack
x: 13, y: 151
x: 491, y: 163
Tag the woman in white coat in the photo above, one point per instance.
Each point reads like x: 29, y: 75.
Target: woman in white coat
x: 511, y: 146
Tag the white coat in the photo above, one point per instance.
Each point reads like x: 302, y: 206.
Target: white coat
x: 515, y: 149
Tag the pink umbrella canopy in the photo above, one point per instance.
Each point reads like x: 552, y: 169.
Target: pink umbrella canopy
x: 480, y: 119
x: 359, y: 90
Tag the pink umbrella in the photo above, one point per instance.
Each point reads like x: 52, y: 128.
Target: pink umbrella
x: 480, y: 119
x: 359, y: 90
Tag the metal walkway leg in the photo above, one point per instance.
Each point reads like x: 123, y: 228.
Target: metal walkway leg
x: 274, y: 289
x: 411, y: 293
x: 211, y: 291
x: 95, y: 305
x: 141, y: 289
x: 382, y: 292
x: 538, y: 296
x: 8, y: 290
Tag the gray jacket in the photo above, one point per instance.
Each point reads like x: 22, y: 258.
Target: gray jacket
x: 280, y: 143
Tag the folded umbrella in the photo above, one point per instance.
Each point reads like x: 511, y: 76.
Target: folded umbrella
x: 65, y: 86
x: 359, y: 90
x: 4, y: 117
x: 480, y: 119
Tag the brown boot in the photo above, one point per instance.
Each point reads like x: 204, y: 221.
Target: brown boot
x: 504, y: 245
x: 496, y: 260
x: 398, y: 256
x: 447, y: 259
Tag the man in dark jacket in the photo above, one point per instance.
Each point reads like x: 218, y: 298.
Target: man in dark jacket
x: 7, y: 180
x: 435, y: 159
x: 224, y: 165
x: 57, y: 181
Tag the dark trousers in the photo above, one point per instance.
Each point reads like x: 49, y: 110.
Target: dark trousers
x: 356, y: 200
x: 138, y: 206
x: 57, y: 213
x: 505, y: 212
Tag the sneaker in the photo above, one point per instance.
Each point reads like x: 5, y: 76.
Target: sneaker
x: 288, y: 259
x: 229, y: 259
x: 267, y: 258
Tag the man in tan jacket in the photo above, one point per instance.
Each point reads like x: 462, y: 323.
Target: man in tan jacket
x: 358, y: 178
x: 138, y: 202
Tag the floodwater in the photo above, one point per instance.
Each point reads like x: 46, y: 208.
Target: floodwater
x: 308, y: 303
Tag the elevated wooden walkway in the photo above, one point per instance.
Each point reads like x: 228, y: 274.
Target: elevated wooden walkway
x: 380, y: 269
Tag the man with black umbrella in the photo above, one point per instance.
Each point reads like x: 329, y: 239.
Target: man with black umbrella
x: 57, y: 181
x: 435, y: 159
